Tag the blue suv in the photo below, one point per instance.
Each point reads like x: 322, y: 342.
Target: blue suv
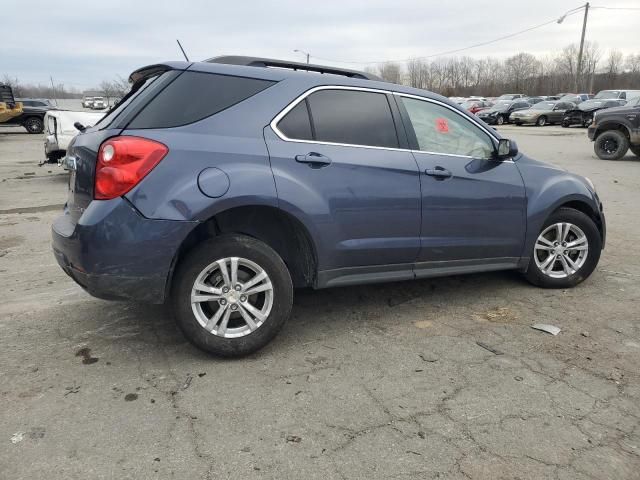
x: 220, y: 186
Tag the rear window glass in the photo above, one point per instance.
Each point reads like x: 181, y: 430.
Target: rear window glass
x: 194, y: 96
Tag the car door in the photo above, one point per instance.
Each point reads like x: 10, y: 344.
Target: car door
x: 558, y: 112
x: 341, y: 168
x: 473, y: 206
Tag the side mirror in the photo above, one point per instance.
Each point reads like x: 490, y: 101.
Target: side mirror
x: 506, y: 149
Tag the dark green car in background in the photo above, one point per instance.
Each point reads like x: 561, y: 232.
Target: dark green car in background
x: 542, y: 113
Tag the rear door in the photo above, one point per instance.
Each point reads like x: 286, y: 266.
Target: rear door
x: 473, y: 207
x: 339, y: 165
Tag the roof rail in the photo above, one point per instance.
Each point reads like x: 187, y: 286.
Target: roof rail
x: 270, y: 62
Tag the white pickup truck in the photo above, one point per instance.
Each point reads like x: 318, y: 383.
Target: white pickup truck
x: 59, y: 130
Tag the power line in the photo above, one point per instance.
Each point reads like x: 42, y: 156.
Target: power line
x: 488, y: 42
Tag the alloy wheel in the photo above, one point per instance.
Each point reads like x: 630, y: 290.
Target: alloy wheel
x: 610, y: 146
x: 561, y: 250
x: 232, y: 297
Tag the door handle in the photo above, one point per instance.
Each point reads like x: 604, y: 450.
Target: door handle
x: 439, y: 173
x: 314, y: 159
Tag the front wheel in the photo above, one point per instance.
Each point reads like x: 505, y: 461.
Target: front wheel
x: 500, y: 120
x: 231, y: 295
x: 34, y: 125
x: 611, y: 145
x: 566, y: 251
x: 542, y: 121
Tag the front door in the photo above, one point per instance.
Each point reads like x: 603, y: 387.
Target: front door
x: 473, y: 207
x: 339, y: 168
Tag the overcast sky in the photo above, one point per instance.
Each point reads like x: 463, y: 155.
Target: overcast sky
x: 82, y: 43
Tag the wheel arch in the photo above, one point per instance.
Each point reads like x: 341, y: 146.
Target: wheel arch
x: 283, y: 232
x: 607, y: 126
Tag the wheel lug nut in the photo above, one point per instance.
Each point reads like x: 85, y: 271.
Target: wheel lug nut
x: 234, y: 307
x: 243, y: 298
x: 225, y: 290
x: 223, y: 302
x: 238, y: 288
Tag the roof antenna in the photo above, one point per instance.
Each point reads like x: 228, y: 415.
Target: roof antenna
x: 180, y: 45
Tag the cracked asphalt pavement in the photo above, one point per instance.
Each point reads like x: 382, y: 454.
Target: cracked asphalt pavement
x: 439, y: 378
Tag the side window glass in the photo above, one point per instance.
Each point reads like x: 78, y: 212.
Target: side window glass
x: 352, y: 117
x: 440, y: 130
x: 296, y: 124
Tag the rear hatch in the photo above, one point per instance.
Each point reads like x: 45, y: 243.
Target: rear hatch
x: 82, y: 153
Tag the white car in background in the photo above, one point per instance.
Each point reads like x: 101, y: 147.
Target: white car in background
x: 87, y: 102
x: 59, y: 130
x: 98, y: 103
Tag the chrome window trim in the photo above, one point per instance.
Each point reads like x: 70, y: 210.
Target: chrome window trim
x: 274, y: 123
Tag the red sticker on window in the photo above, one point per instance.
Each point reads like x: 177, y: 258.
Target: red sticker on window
x: 442, y: 125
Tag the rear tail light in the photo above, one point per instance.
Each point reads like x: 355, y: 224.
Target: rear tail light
x: 123, y: 162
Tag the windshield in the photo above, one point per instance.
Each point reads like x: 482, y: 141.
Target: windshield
x: 500, y: 106
x: 544, y: 106
x: 591, y: 104
x: 608, y: 94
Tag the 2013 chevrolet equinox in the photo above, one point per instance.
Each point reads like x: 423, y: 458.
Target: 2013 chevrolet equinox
x: 222, y: 185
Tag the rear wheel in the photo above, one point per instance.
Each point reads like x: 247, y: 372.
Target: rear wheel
x: 231, y: 295
x: 635, y: 149
x: 33, y: 125
x: 566, y: 251
x: 566, y: 123
x: 542, y: 121
x: 611, y: 145
x: 500, y: 120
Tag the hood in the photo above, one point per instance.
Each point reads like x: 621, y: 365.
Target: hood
x: 615, y: 110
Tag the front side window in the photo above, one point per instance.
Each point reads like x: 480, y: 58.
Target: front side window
x: 343, y: 116
x: 441, y: 130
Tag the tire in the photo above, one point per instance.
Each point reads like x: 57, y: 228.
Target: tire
x: 500, y: 120
x: 565, y: 124
x: 558, y: 273
x: 611, y: 145
x: 518, y: 124
x: 34, y: 125
x: 231, y: 335
x: 635, y: 149
x: 542, y: 121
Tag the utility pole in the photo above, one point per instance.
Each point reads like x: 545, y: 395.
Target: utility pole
x: 53, y: 90
x: 304, y: 53
x: 584, y: 29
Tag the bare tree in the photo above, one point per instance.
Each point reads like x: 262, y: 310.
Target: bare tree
x: 390, y: 72
x: 520, y: 69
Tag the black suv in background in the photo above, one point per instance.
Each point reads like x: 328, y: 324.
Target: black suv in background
x: 616, y: 130
x: 33, y: 110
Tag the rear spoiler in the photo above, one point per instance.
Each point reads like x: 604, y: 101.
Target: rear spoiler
x: 158, y: 68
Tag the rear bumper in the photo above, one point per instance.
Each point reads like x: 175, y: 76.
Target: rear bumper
x: 113, y: 252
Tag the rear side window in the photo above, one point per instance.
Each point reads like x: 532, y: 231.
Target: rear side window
x: 194, y: 96
x: 352, y: 117
x: 296, y: 124
x: 342, y: 116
